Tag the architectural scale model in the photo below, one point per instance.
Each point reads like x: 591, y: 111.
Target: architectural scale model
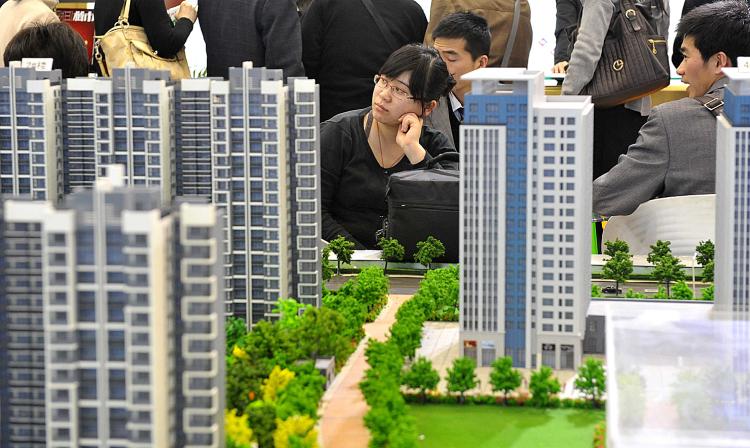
x: 30, y: 133
x: 248, y: 144
x: 525, y: 221
x: 733, y: 197
x: 113, y: 320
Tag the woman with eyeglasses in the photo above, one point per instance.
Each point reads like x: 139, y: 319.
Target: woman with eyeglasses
x: 361, y: 148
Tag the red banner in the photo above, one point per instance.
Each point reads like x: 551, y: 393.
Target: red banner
x: 80, y: 16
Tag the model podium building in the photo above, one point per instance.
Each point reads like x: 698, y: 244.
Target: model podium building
x: 132, y: 321
x: 525, y: 221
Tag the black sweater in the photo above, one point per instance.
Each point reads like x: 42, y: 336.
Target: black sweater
x: 152, y: 16
x: 353, y: 182
x: 342, y: 47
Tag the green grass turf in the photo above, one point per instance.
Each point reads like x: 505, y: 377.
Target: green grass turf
x: 454, y: 426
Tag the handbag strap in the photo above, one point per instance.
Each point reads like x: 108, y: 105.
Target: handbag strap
x: 714, y: 104
x: 389, y: 39
x: 512, y: 36
x: 124, y: 14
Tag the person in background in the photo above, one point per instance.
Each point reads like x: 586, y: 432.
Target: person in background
x: 615, y: 128
x: 342, y: 46
x: 688, y: 6
x: 499, y: 15
x: 50, y: 40
x: 164, y: 36
x: 675, y: 154
x: 16, y: 15
x: 463, y: 41
x: 361, y: 148
x: 266, y: 32
x: 568, y: 12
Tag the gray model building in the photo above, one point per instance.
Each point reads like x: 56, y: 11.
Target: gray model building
x: 525, y: 221
x: 133, y: 321
x: 30, y: 133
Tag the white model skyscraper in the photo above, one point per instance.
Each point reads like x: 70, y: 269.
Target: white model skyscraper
x: 732, y: 278
x: 261, y: 165
x: 133, y: 320
x: 525, y: 221
x: 30, y: 133
x: 126, y: 120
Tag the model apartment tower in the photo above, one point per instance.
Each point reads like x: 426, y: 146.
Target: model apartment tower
x: 132, y: 348
x: 251, y: 146
x: 733, y: 198
x: 525, y: 221
x: 22, y: 409
x: 126, y: 120
x: 30, y: 133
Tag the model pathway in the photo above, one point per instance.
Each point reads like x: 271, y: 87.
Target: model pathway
x: 343, y: 406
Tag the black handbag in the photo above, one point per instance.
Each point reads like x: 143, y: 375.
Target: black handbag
x: 634, y: 61
x: 422, y: 203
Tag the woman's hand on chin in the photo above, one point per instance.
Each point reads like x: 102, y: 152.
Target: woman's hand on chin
x: 407, y: 137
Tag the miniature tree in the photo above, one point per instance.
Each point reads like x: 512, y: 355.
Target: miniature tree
x: 392, y: 250
x: 421, y: 376
x: 705, y: 251
x: 619, y: 266
x: 708, y: 271
x: 428, y: 250
x: 705, y: 256
x: 591, y: 380
x: 596, y: 291
x: 708, y: 293
x: 235, y: 330
x: 503, y: 377
x: 326, y: 263
x: 343, y: 249
x: 682, y: 291
x: 661, y: 293
x: 297, y: 431
x: 667, y: 268
x: 542, y: 386
x: 658, y: 250
x: 461, y: 376
x: 630, y: 294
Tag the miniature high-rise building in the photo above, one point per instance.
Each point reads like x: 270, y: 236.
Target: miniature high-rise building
x: 732, y: 264
x: 525, y: 221
x: 30, y: 133
x: 126, y: 120
x: 133, y: 319
x: 255, y: 154
x: 22, y: 416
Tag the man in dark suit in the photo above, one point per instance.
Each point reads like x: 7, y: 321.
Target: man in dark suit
x: 463, y: 41
x: 266, y: 32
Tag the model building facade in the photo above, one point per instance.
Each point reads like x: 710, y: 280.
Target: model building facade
x: 525, y: 221
x: 733, y: 198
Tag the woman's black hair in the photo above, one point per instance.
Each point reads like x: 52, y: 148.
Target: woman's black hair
x: 54, y: 40
x: 429, y: 75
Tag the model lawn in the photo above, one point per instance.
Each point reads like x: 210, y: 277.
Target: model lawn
x: 456, y: 426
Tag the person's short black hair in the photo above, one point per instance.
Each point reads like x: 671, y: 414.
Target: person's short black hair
x: 429, y: 75
x: 55, y: 40
x: 721, y: 26
x: 468, y: 26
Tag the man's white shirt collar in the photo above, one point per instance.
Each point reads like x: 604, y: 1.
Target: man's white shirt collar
x: 455, y: 104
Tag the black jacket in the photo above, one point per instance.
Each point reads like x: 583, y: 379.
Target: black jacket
x: 343, y: 48
x: 568, y: 13
x: 266, y: 32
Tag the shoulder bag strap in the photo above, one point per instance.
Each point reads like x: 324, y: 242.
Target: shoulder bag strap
x: 714, y: 104
x: 124, y: 14
x: 512, y: 36
x: 389, y: 39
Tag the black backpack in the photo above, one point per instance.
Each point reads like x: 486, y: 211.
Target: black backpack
x: 424, y: 203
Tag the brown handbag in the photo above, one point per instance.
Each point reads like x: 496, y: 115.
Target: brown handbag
x: 634, y: 61
x: 125, y: 43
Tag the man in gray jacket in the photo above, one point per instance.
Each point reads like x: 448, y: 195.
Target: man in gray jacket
x: 675, y: 153
x: 266, y: 32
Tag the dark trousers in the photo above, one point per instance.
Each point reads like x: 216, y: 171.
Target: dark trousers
x: 615, y: 129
